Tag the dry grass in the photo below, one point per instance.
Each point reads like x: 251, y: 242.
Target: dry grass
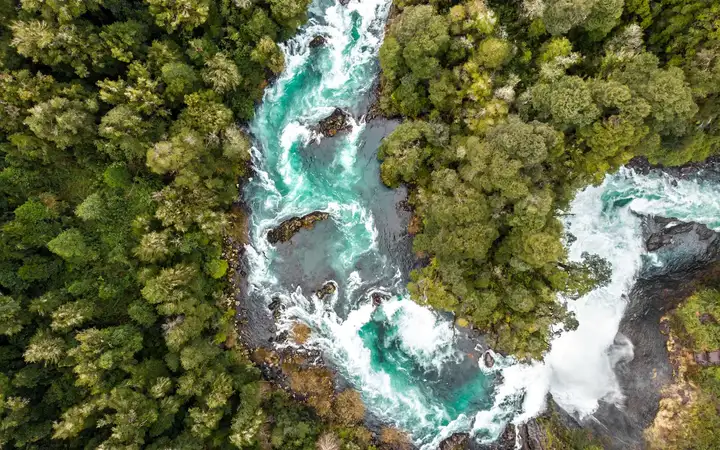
x: 238, y: 225
x: 394, y: 439
x: 328, y: 441
x: 349, y: 408
x: 316, y: 384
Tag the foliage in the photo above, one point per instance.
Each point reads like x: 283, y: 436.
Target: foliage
x: 695, y: 422
x: 699, y: 315
x: 511, y: 109
x: 120, y: 152
x: 558, y: 436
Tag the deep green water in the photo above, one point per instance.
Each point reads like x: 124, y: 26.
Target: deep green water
x: 412, y: 367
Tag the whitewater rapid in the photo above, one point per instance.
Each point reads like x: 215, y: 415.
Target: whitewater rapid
x: 403, y: 358
x: 579, y: 369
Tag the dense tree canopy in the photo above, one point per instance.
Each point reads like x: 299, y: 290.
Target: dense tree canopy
x: 120, y: 152
x: 511, y: 109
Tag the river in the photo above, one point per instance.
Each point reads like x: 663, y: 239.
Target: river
x: 412, y: 367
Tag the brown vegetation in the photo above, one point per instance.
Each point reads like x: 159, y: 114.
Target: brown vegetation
x: 394, y: 439
x: 316, y: 384
x: 301, y: 333
x: 348, y: 407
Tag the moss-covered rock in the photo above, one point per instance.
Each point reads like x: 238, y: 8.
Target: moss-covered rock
x: 288, y: 228
x: 335, y: 123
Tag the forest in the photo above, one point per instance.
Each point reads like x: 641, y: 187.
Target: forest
x: 510, y: 108
x: 122, y: 150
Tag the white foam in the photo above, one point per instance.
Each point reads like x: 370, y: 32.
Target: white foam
x: 426, y: 336
x: 340, y: 341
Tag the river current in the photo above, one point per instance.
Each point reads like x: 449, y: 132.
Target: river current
x: 412, y: 367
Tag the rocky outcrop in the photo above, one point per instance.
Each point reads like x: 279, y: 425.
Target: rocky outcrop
x: 458, y: 441
x: 333, y: 124
x: 328, y: 288
x: 318, y: 41
x: 708, y: 358
x: 532, y: 436
x: 695, y: 244
x: 709, y: 169
x: 288, y: 228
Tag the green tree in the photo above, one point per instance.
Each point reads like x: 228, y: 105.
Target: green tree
x: 179, y: 14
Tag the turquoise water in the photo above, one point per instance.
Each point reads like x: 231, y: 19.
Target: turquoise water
x: 403, y: 358
x: 411, y: 366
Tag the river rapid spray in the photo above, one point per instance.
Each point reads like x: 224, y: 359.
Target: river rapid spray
x: 404, y: 358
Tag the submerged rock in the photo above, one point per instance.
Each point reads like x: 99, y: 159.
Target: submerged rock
x: 334, y: 123
x: 288, y: 228
x: 318, y: 41
x: 328, y: 288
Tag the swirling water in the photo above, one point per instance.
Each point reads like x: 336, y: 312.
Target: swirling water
x: 405, y: 359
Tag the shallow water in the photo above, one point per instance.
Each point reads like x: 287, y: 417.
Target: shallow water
x: 412, y: 367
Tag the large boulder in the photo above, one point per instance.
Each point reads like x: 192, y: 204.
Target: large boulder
x: 288, y: 228
x: 333, y: 124
x: 661, y: 232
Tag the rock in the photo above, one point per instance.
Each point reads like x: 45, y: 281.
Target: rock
x: 532, y: 436
x: 328, y: 288
x: 458, y: 441
x: 697, y: 241
x: 707, y: 319
x: 334, y: 123
x: 488, y: 359
x: 657, y: 241
x: 701, y: 359
x: 377, y: 298
x: 276, y: 307
x: 318, y: 41
x: 512, y: 434
x: 708, y: 169
x: 714, y: 357
x: 288, y: 228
